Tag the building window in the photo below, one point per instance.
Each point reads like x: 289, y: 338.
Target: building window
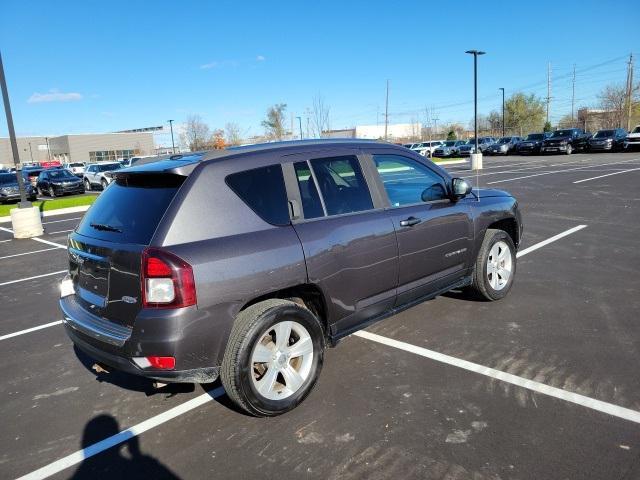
x: 112, y: 155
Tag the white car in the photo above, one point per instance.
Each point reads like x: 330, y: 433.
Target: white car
x: 633, y: 139
x: 77, y: 168
x: 130, y: 162
x: 427, y: 148
x: 99, y: 174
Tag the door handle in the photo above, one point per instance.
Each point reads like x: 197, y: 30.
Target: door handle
x: 410, y: 222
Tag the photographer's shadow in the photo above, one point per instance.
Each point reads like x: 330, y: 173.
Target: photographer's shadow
x: 113, y: 462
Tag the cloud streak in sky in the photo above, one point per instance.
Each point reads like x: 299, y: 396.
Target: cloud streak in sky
x: 54, y: 96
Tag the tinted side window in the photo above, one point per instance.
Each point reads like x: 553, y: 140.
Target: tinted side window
x: 311, y: 205
x: 408, y: 182
x: 263, y: 190
x: 342, y: 185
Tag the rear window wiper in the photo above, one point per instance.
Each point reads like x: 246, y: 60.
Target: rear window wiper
x: 106, y: 228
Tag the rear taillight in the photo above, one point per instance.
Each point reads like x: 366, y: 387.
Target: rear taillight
x: 167, y: 280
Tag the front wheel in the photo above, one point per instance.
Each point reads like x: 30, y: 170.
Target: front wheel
x: 495, y: 266
x: 87, y: 185
x: 104, y: 184
x: 273, y: 357
x: 569, y: 149
x: 52, y: 192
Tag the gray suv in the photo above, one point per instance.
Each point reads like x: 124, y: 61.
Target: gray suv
x: 246, y: 263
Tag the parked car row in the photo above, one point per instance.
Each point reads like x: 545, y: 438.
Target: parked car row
x: 565, y: 141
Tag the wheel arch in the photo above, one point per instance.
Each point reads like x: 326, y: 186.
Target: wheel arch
x: 308, y: 295
x: 509, y: 225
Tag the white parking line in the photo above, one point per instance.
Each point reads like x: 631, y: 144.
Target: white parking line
x: 189, y: 405
x: 29, y: 330
x: 65, y: 220
x: 607, y: 175
x: 576, y: 398
x: 5, y: 241
x: 29, y: 253
x: 33, y: 278
x: 60, y: 231
x: 36, y: 239
x: 560, y: 171
x: 123, y: 436
x: 538, y: 245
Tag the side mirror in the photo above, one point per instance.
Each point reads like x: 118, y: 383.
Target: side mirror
x: 460, y: 188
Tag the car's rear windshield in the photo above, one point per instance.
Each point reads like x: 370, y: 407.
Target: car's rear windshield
x: 450, y: 143
x: 636, y: 130
x: 535, y: 136
x: 604, y: 134
x: 7, y: 179
x: 129, y: 210
x: 76, y: 164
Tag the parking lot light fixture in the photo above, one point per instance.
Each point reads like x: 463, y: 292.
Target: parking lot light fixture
x: 475, y: 54
x: 300, y: 126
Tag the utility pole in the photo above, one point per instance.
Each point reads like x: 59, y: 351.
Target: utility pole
x: 173, y: 144
x: 12, y: 139
x: 386, y: 113
x: 300, y: 125
x: 548, y: 88
x: 48, y: 149
x: 503, y: 130
x: 435, y: 126
x: 629, y: 91
x: 573, y: 97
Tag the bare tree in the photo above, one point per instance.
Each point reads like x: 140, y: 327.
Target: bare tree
x: 196, y: 133
x: 232, y: 133
x: 613, y: 100
x: 319, y: 116
x: 274, y: 123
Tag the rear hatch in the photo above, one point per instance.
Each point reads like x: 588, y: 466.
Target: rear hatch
x: 105, y: 249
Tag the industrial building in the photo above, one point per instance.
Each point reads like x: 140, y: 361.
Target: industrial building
x: 396, y: 131
x: 90, y: 147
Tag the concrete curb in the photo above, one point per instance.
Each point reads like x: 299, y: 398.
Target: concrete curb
x: 450, y: 162
x: 53, y: 213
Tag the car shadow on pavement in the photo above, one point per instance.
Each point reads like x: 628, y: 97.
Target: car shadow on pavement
x: 131, y: 382
x: 463, y: 294
x: 114, y: 462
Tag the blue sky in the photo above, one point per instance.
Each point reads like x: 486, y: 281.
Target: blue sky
x: 106, y: 66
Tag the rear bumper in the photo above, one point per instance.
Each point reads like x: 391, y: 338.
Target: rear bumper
x: 116, y: 345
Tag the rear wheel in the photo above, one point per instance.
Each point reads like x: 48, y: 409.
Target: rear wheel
x: 52, y: 192
x: 87, y: 185
x: 273, y: 357
x: 495, y: 266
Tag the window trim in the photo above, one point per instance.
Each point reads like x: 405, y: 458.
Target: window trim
x: 380, y: 184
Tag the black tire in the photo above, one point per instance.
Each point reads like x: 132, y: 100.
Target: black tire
x: 480, y: 279
x: 249, y: 328
x: 87, y: 185
x: 52, y: 192
x: 569, y: 149
x: 39, y: 190
x: 104, y: 183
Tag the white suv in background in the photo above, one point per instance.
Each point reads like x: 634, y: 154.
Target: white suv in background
x: 99, y: 174
x: 633, y: 139
x: 426, y: 149
x: 77, y: 168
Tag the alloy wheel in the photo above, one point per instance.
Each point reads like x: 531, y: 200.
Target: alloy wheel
x: 281, y: 360
x: 499, y: 265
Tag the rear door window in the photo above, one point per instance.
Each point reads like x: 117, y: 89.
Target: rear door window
x: 130, y: 210
x: 262, y: 189
x: 311, y: 203
x: 341, y: 184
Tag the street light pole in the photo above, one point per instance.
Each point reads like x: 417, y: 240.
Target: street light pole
x: 475, y: 54
x: 48, y: 148
x: 173, y: 145
x: 501, y: 88
x: 12, y: 139
x: 300, y: 125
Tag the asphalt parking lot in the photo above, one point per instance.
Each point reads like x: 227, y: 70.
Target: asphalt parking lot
x: 541, y: 385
